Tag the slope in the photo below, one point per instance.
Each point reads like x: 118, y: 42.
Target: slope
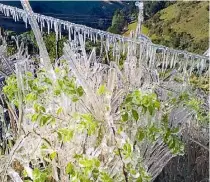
x: 183, y: 25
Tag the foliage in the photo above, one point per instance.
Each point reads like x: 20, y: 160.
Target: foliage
x: 50, y: 42
x: 28, y: 39
x: 83, y: 167
x: 151, y: 8
x: 200, y: 82
x: 118, y: 22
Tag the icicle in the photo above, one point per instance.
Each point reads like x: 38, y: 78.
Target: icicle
x: 146, y: 52
x: 191, y: 65
x: 107, y: 44
x: 25, y: 19
x: 91, y: 36
x: 101, y: 51
x: 152, y: 57
x: 60, y: 31
x: 186, y: 63
x: 51, y: 24
x: 172, y: 60
x: 56, y: 30
x: 94, y: 38
x: 167, y: 59
x: 113, y: 50
x: 88, y: 35
x: 175, y: 59
x: 48, y: 27
x: 180, y: 62
x: 123, y: 40
x: 164, y: 57
x: 201, y: 67
x: 84, y: 36
x: 75, y: 34
x: 69, y: 28
x: 41, y: 25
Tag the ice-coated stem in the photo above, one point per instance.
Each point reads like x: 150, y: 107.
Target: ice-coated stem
x: 34, y: 25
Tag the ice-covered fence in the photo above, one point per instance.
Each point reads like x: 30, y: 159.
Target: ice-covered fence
x: 155, y: 56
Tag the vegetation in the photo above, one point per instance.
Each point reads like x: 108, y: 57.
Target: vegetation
x: 183, y: 25
x: 151, y: 8
x: 83, y: 122
x: 132, y: 27
x: 83, y: 167
x: 55, y: 49
x: 180, y: 25
x: 118, y: 23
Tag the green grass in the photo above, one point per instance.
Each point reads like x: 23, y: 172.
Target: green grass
x: 132, y: 27
x: 170, y: 13
x: 188, y: 17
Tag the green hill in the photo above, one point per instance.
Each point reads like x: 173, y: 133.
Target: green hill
x: 183, y: 25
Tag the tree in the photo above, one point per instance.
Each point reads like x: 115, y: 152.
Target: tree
x: 118, y: 22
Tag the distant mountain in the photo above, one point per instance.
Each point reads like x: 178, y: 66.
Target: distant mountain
x: 97, y: 14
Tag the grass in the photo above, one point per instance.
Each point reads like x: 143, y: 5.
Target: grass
x: 189, y: 17
x: 132, y: 27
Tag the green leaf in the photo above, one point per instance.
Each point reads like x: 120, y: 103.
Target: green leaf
x: 44, y: 119
x: 53, y: 155
x: 70, y: 168
x: 139, y: 179
x: 127, y: 150
x: 48, y: 81
x: 128, y: 99
x: 31, y: 97
x: 34, y: 117
x: 135, y: 114
x: 175, y: 130
x: 74, y: 98
x: 125, y: 117
x: 29, y: 74
x: 104, y: 177
x: 59, y: 110
x: 95, y: 173
x: 65, y: 134
x: 157, y: 104
x: 140, y: 134
x: 39, y: 108
x: 57, y: 70
x: 80, y: 91
x: 39, y: 176
x: 86, y: 163
x: 57, y: 91
x: 151, y: 109
x: 77, y: 156
x: 101, y: 90
x: 96, y: 162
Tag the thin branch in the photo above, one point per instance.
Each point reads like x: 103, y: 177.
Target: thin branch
x: 197, y: 142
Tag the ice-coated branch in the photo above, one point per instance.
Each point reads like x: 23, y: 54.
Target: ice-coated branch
x: 34, y: 25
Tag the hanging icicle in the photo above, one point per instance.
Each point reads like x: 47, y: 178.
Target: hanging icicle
x: 48, y: 27
x: 143, y: 43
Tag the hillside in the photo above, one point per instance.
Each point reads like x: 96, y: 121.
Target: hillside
x: 183, y: 25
